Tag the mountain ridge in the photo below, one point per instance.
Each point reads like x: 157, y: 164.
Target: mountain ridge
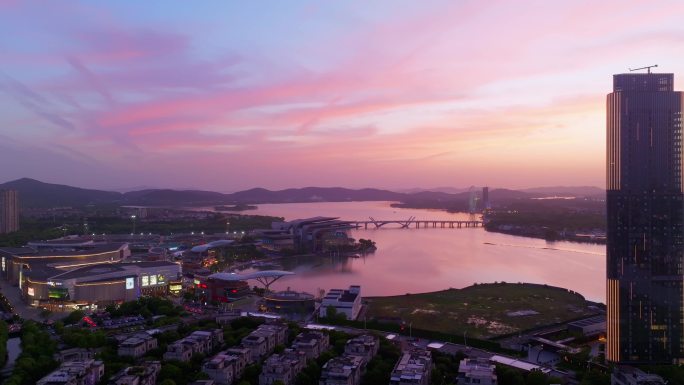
x: 34, y: 193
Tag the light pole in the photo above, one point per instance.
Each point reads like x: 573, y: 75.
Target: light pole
x: 133, y: 220
x: 465, y: 340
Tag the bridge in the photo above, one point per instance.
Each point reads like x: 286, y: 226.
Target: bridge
x: 412, y: 222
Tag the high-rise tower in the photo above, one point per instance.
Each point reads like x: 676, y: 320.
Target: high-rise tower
x: 9, y: 211
x: 645, y: 214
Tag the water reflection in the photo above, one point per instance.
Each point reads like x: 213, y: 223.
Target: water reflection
x: 419, y: 260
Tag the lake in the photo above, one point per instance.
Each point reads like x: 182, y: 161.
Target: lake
x: 421, y: 260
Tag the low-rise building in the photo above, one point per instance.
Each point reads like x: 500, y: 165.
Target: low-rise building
x: 145, y: 374
x: 364, y: 346
x: 282, y: 367
x: 244, y: 358
x: 226, y: 317
x: 222, y: 368
x: 88, y: 372
x: 313, y: 343
x: 589, y: 326
x: 629, y: 375
x: 344, y: 370
x: 347, y: 302
x: 74, y: 354
x: 178, y: 351
x: 413, y: 368
x: 137, y: 345
x: 476, y: 371
x: 199, y: 342
x: 262, y: 341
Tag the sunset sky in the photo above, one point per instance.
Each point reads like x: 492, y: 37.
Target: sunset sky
x: 390, y: 94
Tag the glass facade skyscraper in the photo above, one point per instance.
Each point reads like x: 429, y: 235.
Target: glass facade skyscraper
x: 645, y: 214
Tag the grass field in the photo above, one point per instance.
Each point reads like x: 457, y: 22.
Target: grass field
x: 484, y: 310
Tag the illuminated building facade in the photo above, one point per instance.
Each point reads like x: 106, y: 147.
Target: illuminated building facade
x: 645, y: 217
x: 101, y: 284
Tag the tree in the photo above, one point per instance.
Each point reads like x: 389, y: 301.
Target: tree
x: 74, y: 317
x: 168, y: 381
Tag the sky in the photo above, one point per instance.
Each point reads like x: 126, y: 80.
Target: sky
x: 393, y: 94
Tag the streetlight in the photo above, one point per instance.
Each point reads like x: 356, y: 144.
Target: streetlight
x: 133, y: 219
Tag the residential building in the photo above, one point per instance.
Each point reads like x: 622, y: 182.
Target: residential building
x: 222, y: 368
x: 343, y: 370
x: 645, y: 229
x: 74, y: 354
x: 87, y: 372
x: 262, y: 341
x: 144, y: 374
x: 282, y: 367
x: 347, y: 302
x: 179, y: 351
x: 413, y: 368
x: 476, y: 371
x: 244, y: 358
x: 364, y: 346
x: 628, y: 375
x: 137, y: 345
x: 313, y: 343
x: 9, y: 211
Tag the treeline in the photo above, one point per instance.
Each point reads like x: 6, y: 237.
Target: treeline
x: 38, y: 229
x: 415, y: 332
x: 4, y: 336
x: 36, y: 358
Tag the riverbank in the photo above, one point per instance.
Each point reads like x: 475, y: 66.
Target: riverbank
x: 543, y: 234
x: 483, y: 310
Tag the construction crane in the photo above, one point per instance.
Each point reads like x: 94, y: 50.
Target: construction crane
x: 643, y: 68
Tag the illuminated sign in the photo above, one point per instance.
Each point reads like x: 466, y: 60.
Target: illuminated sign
x: 175, y: 288
x: 31, y: 292
x: 145, y: 280
x: 153, y: 279
x: 58, y: 293
x: 130, y: 283
x: 196, y: 282
x: 160, y: 278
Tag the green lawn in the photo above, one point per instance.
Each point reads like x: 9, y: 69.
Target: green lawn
x: 482, y: 310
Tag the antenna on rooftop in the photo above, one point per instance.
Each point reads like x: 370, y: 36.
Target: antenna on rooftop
x: 643, y: 68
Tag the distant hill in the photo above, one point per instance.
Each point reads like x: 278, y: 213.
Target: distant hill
x: 448, y: 190
x: 576, y: 191
x: 164, y: 197
x: 313, y: 194
x: 33, y: 193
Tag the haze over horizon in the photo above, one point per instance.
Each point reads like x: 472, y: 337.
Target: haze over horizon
x: 226, y: 97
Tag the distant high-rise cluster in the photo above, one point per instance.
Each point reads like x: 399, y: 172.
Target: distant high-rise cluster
x: 645, y: 229
x: 9, y: 211
x: 485, y: 199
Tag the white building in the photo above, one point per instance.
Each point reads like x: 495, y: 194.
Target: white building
x: 262, y: 341
x: 313, y: 343
x: 145, y: 374
x: 222, y: 368
x: 364, y: 346
x: 413, y: 368
x: 137, y: 345
x: 347, y: 302
x: 87, y: 372
x: 476, y: 371
x: 343, y: 370
x: 282, y: 367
